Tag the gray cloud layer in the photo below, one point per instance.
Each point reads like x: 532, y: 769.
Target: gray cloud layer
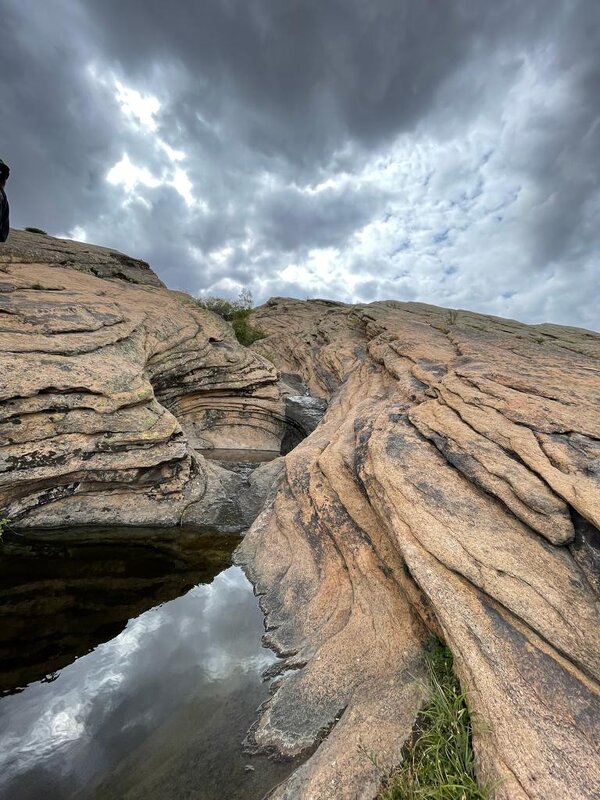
x: 444, y: 152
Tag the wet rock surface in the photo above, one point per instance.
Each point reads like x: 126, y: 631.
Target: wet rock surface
x: 302, y: 415
x: 108, y: 385
x: 451, y: 488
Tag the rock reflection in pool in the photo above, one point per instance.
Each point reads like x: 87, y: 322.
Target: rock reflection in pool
x: 158, y: 711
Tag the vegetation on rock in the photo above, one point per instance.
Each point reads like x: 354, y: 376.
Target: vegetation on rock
x: 438, y: 763
x: 37, y: 230
x: 237, y: 312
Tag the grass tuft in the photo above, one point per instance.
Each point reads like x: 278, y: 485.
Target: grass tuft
x: 439, y: 762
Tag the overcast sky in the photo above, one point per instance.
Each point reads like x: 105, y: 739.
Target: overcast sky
x: 446, y: 151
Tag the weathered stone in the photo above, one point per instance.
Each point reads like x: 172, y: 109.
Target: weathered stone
x: 36, y: 248
x: 107, y: 386
x: 452, y: 487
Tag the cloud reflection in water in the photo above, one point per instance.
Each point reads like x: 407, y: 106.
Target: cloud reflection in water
x: 70, y: 733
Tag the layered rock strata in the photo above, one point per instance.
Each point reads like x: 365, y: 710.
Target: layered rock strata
x: 108, y: 385
x: 38, y: 248
x: 451, y: 489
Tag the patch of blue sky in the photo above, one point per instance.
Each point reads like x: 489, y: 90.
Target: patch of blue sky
x: 441, y: 236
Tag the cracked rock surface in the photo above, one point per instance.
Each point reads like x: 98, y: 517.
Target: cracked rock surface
x: 108, y: 385
x: 453, y: 487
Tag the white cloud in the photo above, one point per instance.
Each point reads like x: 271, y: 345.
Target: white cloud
x: 130, y: 176
x: 141, y: 109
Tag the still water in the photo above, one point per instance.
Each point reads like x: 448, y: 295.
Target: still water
x: 130, y: 668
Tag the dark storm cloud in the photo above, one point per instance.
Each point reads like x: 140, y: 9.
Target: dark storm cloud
x: 311, y: 124
x: 56, y: 140
x: 291, y: 219
x: 299, y: 78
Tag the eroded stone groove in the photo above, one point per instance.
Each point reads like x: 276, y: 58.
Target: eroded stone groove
x: 452, y: 486
x: 108, y: 385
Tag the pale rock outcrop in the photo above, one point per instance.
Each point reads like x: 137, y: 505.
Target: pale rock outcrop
x: 453, y: 487
x: 37, y: 248
x: 107, y: 387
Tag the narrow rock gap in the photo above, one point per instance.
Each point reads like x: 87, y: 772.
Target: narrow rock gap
x: 585, y: 549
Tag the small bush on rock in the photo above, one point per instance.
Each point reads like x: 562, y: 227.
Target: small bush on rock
x: 237, y: 312
x: 37, y: 230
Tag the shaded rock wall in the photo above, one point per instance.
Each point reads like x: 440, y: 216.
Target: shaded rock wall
x: 452, y: 488
x: 106, y: 387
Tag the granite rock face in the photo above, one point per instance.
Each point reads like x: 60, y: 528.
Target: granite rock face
x: 36, y: 248
x: 452, y: 488
x: 108, y: 385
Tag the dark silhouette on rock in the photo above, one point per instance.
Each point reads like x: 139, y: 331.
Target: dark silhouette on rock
x: 4, y: 206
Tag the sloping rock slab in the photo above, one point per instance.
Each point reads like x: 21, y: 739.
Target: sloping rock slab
x: 453, y: 488
x: 37, y: 248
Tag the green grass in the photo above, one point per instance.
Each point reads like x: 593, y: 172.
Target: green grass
x: 438, y: 763
x: 238, y: 313
x: 245, y: 333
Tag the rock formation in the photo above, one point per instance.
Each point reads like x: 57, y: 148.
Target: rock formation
x: 109, y: 384
x: 452, y: 488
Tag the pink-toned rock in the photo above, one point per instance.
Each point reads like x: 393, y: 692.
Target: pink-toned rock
x: 108, y: 385
x: 453, y: 487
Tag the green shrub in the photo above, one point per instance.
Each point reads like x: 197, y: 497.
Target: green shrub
x: 37, y: 230
x: 246, y: 333
x: 238, y: 313
x: 439, y: 763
